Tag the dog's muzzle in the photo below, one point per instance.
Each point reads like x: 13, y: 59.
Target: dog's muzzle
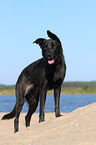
x: 50, y: 59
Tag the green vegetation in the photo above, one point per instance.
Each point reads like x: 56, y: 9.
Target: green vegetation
x: 79, y: 88
x: 90, y: 85
x: 7, y: 90
x: 67, y: 88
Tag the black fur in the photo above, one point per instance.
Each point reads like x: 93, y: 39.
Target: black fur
x: 36, y: 79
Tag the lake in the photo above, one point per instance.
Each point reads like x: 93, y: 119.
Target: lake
x: 68, y: 103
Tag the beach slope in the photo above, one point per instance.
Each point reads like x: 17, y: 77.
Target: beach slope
x: 75, y: 128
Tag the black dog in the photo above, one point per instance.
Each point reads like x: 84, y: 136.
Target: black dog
x: 36, y: 79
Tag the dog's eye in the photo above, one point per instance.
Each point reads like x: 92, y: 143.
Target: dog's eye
x: 54, y: 46
x: 45, y: 47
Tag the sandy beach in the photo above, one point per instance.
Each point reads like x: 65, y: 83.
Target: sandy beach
x: 75, y: 128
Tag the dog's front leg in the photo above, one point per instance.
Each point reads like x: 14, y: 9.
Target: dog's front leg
x: 42, y: 104
x: 57, y: 92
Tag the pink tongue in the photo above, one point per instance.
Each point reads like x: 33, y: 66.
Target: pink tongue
x: 51, y: 61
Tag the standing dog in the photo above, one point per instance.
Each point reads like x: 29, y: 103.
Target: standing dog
x: 36, y: 79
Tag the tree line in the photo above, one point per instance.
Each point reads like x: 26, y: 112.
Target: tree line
x: 77, y: 84
x: 84, y: 85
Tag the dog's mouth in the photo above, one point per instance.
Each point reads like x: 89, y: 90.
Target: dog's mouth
x: 51, y: 61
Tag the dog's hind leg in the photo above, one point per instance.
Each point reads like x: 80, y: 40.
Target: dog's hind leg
x: 19, y: 104
x: 33, y: 103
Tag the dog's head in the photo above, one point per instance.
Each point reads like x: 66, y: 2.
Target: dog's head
x: 51, y: 48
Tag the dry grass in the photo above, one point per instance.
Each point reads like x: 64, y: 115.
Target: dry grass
x: 11, y: 91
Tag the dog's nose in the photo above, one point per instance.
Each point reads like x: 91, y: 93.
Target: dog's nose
x: 49, y: 54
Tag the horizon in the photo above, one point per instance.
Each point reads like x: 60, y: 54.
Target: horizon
x: 62, y: 83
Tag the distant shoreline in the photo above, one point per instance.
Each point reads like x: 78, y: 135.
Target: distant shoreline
x: 64, y: 91
x: 67, y: 88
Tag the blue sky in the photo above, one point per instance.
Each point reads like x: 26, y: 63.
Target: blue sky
x: 22, y: 22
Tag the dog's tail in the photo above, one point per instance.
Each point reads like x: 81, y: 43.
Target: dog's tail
x: 10, y: 115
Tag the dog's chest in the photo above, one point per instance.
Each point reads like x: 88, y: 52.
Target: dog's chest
x: 55, y: 78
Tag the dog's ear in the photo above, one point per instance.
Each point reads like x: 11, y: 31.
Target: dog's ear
x: 39, y: 41
x: 53, y: 36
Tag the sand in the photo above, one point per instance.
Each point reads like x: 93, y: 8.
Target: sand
x: 75, y: 128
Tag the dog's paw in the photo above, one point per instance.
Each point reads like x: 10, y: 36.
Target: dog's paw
x: 41, y: 120
x: 58, y: 115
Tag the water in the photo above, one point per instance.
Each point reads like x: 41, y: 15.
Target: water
x: 68, y: 103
